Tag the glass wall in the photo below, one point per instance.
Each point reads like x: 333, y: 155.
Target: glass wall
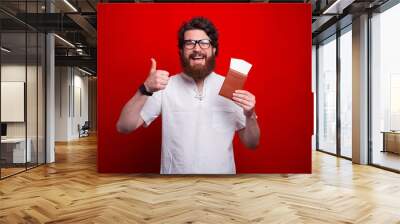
x: 385, y: 88
x: 346, y: 92
x: 327, y: 95
x: 314, y: 87
x: 22, y: 91
x: 13, y: 91
x: 334, y: 85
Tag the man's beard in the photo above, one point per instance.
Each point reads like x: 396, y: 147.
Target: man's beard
x: 197, y: 72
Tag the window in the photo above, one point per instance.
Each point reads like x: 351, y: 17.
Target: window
x: 385, y: 87
x: 327, y: 95
x: 346, y: 93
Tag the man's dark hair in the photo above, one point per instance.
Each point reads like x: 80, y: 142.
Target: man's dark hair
x: 199, y: 23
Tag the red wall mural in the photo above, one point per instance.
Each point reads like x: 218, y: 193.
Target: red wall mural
x: 275, y: 38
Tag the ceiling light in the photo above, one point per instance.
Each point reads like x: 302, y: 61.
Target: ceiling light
x: 84, y: 71
x: 5, y: 50
x: 338, y: 6
x: 70, y: 5
x: 64, y: 40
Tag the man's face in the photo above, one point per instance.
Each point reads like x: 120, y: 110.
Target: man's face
x: 198, y: 61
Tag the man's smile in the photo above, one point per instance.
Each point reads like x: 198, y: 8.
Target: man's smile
x: 197, y: 59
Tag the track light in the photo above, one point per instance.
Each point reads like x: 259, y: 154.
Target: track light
x: 65, y: 41
x: 70, y: 5
x: 5, y: 50
x: 337, y: 7
x: 84, y: 71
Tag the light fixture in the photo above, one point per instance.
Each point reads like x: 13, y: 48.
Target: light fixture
x: 70, y: 5
x: 64, y: 40
x: 80, y: 51
x: 5, y: 50
x: 337, y: 7
x: 84, y: 71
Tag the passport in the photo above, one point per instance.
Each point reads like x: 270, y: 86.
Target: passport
x: 235, y: 78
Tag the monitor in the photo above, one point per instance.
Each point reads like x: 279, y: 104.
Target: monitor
x: 3, y: 129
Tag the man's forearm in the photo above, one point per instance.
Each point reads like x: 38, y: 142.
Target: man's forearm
x: 251, y: 133
x: 130, y: 114
x: 130, y: 118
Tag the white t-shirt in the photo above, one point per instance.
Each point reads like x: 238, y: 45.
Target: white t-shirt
x: 197, y: 131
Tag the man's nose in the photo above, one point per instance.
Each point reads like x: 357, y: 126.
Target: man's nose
x: 197, y: 47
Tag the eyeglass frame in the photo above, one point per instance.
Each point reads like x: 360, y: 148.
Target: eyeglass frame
x: 195, y: 43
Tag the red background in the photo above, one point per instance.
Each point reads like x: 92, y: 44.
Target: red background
x: 275, y: 38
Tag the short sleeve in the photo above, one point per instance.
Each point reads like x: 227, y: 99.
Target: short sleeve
x: 240, y: 118
x: 152, y: 108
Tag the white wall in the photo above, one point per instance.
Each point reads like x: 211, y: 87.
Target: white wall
x: 62, y: 78
x: 80, y: 84
x: 71, y: 93
x: 12, y: 73
x: 16, y: 72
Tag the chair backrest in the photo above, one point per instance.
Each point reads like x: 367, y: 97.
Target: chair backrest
x: 86, y: 125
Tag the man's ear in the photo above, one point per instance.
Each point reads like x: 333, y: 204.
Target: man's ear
x: 214, y: 50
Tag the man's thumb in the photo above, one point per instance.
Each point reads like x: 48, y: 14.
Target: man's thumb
x: 153, y: 65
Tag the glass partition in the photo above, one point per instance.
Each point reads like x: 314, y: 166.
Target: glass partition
x: 22, y: 89
x: 14, y: 153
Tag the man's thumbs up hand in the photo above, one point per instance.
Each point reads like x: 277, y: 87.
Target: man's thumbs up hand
x: 157, y: 79
x: 153, y: 67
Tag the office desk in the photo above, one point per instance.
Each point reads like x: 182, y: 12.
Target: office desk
x: 13, y: 150
x: 391, y: 141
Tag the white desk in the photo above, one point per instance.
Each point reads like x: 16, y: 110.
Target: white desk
x: 18, y: 150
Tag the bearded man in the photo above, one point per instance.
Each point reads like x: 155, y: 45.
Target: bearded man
x: 198, y: 125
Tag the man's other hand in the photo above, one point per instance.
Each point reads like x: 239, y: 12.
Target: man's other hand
x: 246, y: 100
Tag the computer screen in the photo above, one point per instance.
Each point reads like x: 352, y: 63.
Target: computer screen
x: 3, y: 129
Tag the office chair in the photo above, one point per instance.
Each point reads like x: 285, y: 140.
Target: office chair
x: 84, y: 130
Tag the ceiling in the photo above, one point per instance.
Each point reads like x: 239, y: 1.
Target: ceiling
x: 76, y: 22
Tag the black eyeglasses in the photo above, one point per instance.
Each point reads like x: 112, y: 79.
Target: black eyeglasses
x: 203, y: 43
